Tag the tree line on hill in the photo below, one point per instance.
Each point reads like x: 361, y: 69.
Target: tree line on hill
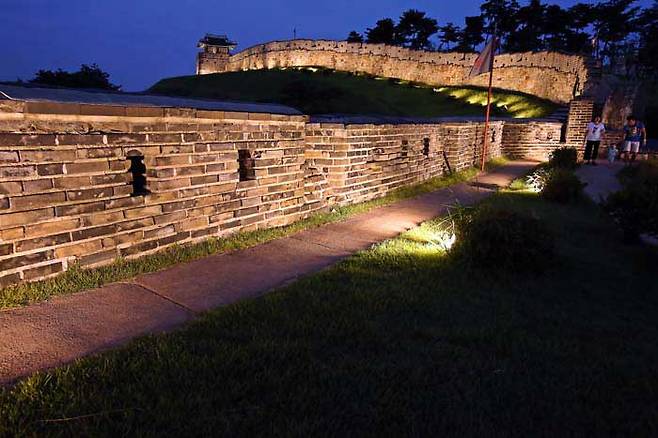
x: 608, y: 29
x: 89, y: 76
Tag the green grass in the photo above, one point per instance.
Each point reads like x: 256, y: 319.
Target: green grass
x: 322, y: 91
x: 399, y: 340
x: 77, y: 279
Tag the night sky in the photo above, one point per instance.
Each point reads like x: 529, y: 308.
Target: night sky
x: 141, y: 41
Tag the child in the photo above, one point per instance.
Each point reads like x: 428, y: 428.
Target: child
x: 612, y: 153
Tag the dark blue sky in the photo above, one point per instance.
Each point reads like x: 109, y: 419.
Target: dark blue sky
x: 141, y: 41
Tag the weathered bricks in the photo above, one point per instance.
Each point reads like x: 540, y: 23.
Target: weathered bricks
x: 87, y: 167
x: 67, y: 197
x: 7, y: 139
x: 36, y: 201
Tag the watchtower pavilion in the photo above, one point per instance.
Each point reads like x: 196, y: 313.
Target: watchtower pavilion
x: 214, y: 55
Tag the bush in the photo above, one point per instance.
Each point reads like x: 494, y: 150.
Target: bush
x: 500, y: 240
x: 536, y: 181
x: 562, y: 186
x: 635, y: 207
x: 564, y: 158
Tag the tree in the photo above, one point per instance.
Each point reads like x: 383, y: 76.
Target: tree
x: 529, y: 21
x: 89, y: 76
x: 613, y: 21
x: 354, y: 37
x: 501, y: 15
x: 472, y: 35
x: 450, y: 34
x: 384, y: 32
x: 415, y: 29
x: 562, y: 28
x: 648, y: 51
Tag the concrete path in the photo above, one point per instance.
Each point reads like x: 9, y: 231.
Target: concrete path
x: 58, y: 331
x: 601, y: 179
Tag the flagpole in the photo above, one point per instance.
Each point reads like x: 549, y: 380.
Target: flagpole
x: 485, y: 140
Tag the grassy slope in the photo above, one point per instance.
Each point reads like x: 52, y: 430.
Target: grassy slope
x: 326, y: 91
x: 394, y: 341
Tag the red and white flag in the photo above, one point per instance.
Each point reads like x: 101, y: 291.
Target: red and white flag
x: 484, y: 61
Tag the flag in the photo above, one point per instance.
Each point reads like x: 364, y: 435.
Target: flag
x: 484, y: 61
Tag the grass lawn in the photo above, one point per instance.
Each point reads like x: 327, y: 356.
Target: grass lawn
x: 398, y: 340
x: 322, y: 91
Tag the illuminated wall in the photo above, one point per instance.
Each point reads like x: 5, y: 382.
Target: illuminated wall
x: 68, y: 172
x: 550, y: 75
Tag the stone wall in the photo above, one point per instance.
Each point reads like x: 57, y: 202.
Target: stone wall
x: 365, y: 161
x: 550, y: 75
x: 581, y: 112
x: 67, y: 193
x: 531, y: 139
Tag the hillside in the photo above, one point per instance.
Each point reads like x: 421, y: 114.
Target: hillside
x: 321, y: 91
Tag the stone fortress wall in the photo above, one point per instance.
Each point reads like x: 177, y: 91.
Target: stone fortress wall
x: 550, y: 75
x: 65, y: 181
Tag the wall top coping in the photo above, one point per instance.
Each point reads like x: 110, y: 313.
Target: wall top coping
x: 401, y: 49
x: 347, y: 119
x: 117, y: 99
x: 406, y: 53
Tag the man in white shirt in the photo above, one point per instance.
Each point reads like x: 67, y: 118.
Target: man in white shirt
x: 595, y: 132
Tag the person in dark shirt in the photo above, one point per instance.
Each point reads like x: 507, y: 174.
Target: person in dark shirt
x: 635, y: 135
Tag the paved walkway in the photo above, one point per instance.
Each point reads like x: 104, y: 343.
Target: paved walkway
x: 57, y: 331
x: 601, y: 179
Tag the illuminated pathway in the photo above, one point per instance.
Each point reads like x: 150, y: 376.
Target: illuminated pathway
x: 64, y: 328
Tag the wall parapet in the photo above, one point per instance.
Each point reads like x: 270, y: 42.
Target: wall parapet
x: 72, y: 186
x: 554, y: 76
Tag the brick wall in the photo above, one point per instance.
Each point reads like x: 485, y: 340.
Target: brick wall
x: 581, y: 112
x: 365, y: 161
x: 550, y: 75
x: 66, y: 192
x: 531, y: 139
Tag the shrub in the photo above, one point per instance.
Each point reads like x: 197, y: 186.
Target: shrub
x: 635, y: 206
x: 500, y: 240
x: 564, y: 158
x: 536, y: 181
x: 562, y: 186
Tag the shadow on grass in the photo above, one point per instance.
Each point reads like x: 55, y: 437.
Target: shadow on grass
x: 398, y: 340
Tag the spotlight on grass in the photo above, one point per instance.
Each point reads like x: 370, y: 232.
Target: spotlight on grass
x: 446, y: 240
x: 435, y: 236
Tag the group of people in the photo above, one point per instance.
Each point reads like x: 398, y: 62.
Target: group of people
x: 635, y: 137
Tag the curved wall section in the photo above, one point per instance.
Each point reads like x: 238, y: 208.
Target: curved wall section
x: 550, y: 75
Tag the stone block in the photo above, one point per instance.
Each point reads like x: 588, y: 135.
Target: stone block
x: 87, y: 167
x: 37, y: 201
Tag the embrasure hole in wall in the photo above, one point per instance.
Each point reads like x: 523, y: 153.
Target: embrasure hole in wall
x: 138, y: 171
x: 426, y: 147
x: 247, y: 165
x: 405, y: 148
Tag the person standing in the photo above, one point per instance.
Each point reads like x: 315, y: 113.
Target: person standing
x: 595, y: 131
x: 634, y: 135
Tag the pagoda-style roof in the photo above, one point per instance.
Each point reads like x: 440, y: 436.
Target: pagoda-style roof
x: 216, y: 40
